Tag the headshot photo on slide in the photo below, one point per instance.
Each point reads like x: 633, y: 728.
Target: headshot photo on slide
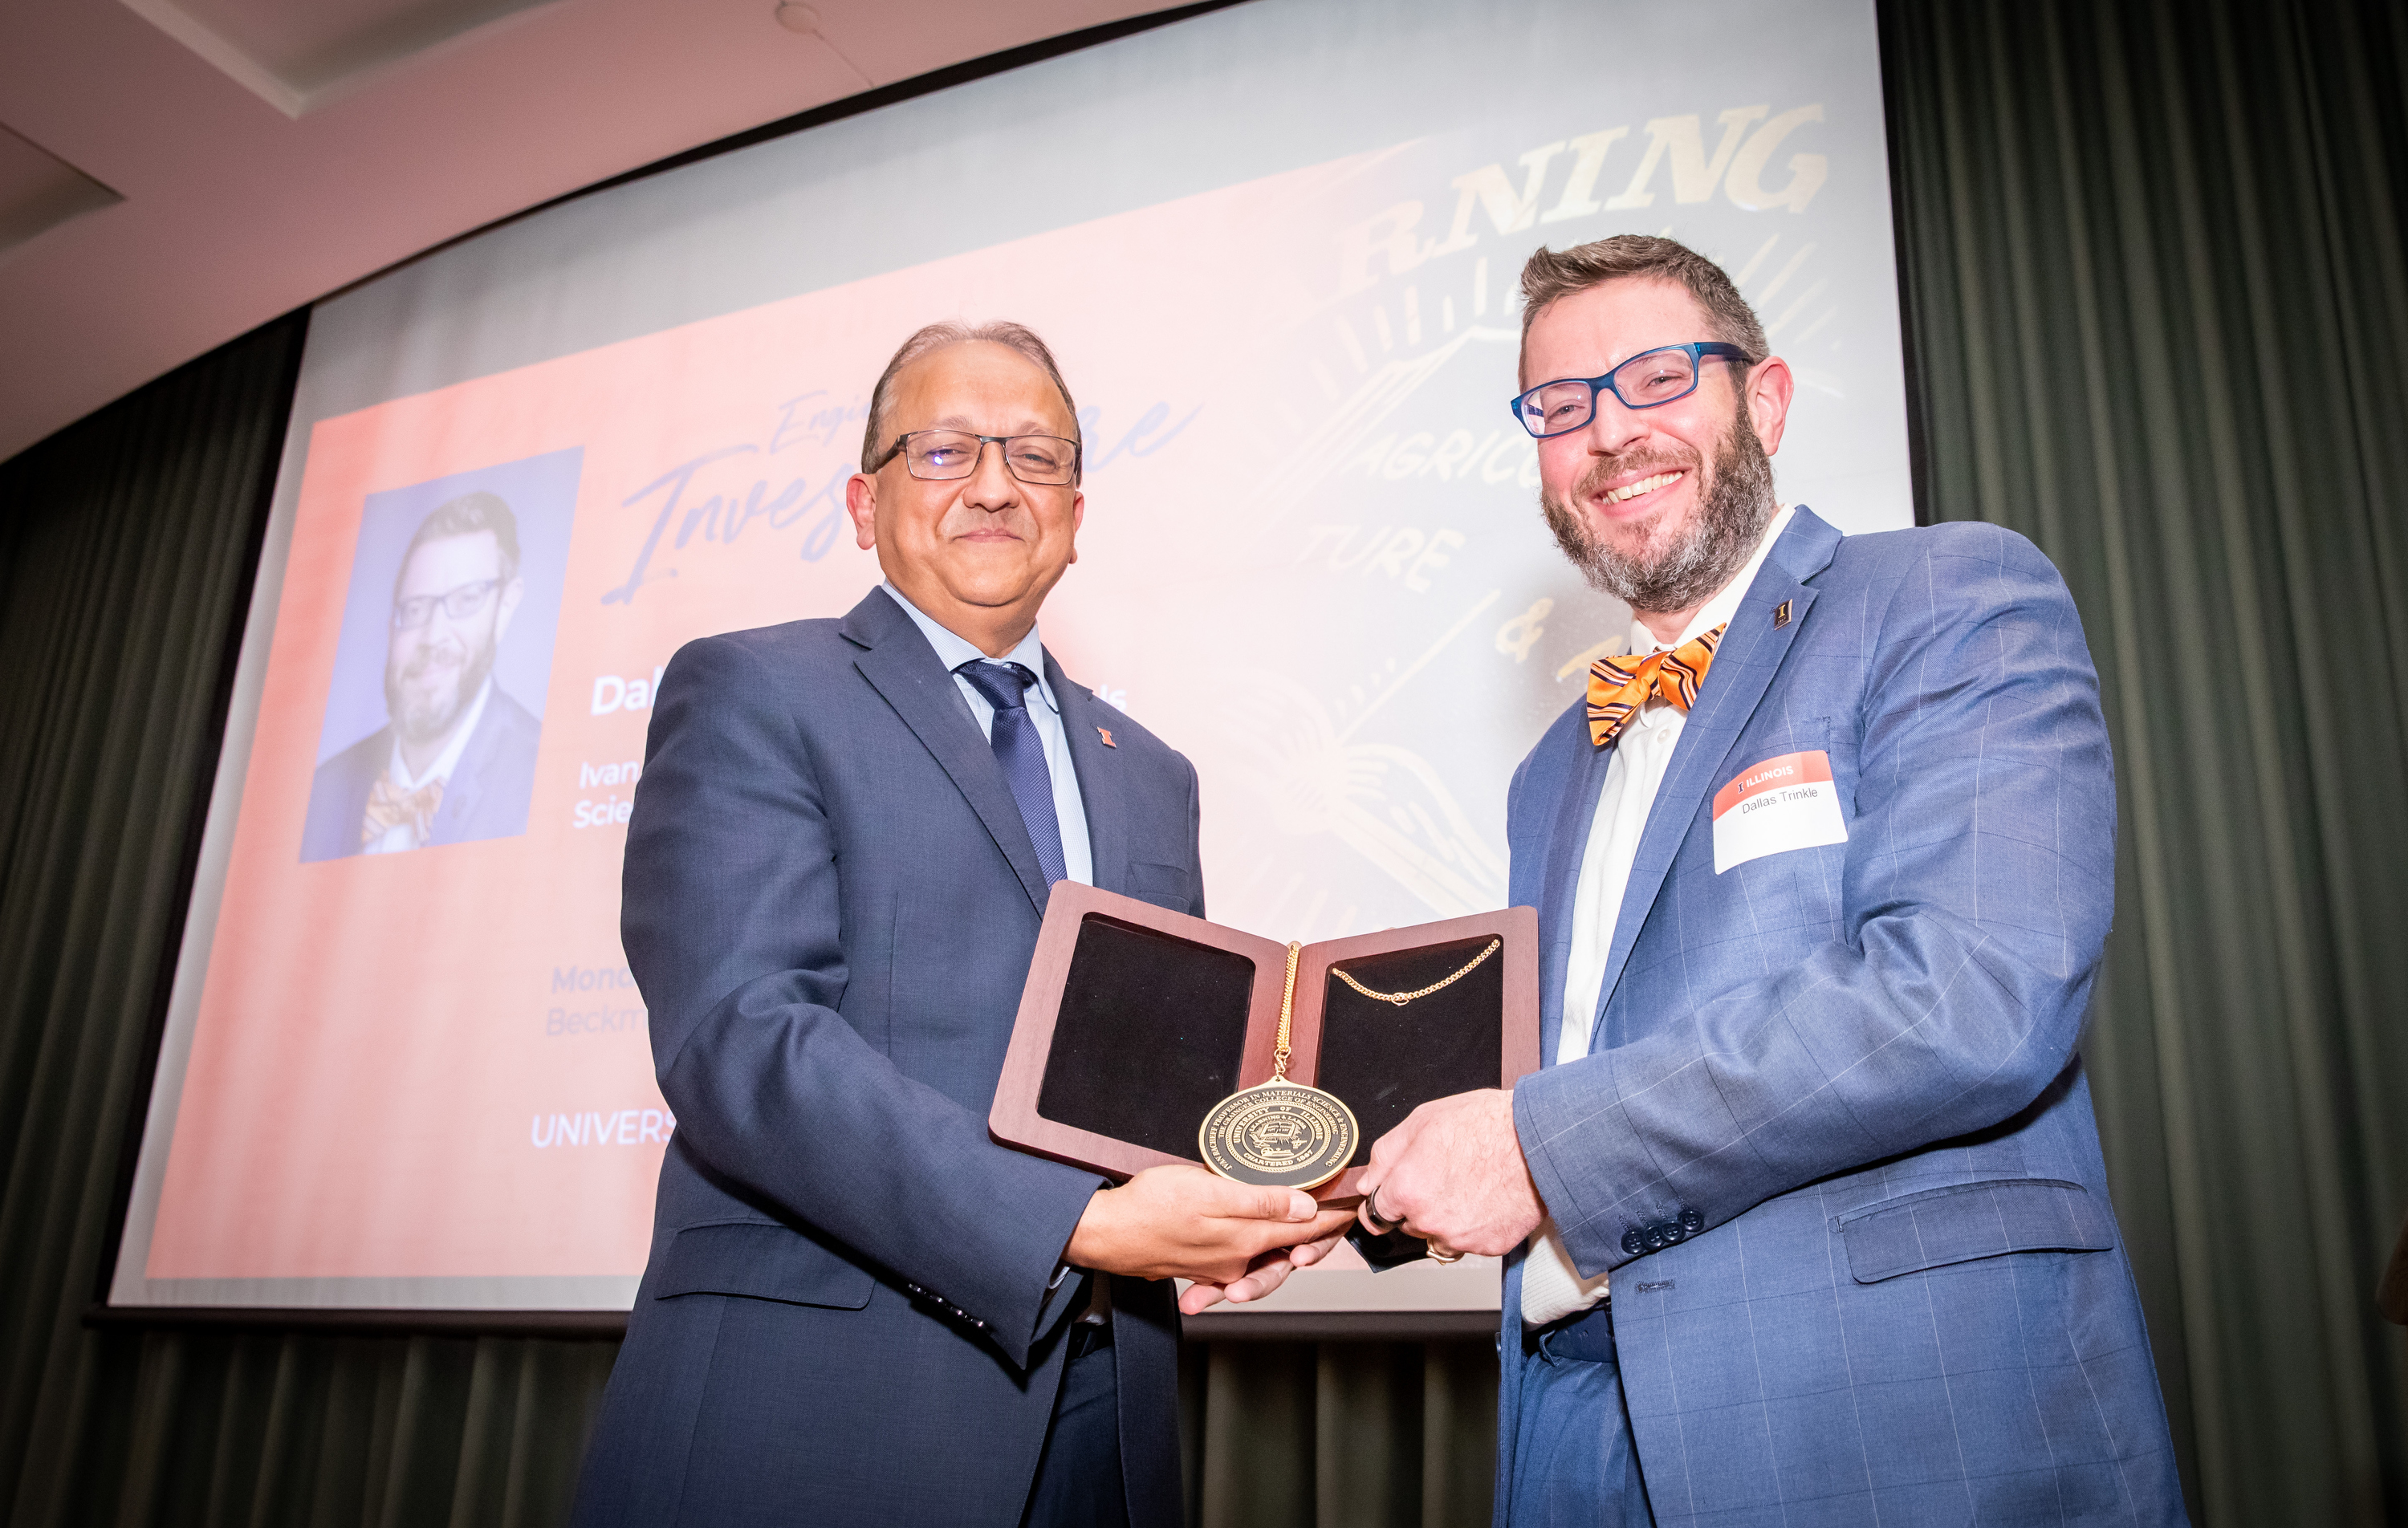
x: 435, y: 707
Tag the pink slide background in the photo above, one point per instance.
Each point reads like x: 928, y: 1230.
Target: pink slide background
x: 373, y: 1070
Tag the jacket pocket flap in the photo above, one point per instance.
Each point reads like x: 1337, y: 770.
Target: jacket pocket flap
x: 762, y: 1262
x: 1963, y: 1221
x: 1164, y: 885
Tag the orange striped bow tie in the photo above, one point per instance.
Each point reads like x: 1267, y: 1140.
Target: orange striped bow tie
x: 1617, y: 687
x: 391, y: 807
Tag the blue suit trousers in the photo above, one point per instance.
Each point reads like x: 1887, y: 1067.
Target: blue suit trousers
x: 1573, y: 1461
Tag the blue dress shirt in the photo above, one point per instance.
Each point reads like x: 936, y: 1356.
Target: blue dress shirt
x: 1077, y: 859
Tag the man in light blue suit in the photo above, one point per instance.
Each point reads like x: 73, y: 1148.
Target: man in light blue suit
x: 859, y: 1308
x: 1806, y: 1216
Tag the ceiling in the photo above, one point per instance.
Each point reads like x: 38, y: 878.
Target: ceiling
x: 176, y: 172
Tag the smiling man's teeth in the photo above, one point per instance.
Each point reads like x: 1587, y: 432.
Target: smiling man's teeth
x: 1644, y: 485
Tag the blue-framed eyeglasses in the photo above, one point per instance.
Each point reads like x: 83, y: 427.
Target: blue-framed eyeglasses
x: 1649, y: 379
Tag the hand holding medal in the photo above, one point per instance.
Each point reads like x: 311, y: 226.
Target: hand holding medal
x: 1454, y: 1175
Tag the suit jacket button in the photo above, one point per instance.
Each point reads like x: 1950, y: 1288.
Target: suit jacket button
x: 1632, y: 1243
x: 1674, y: 1234
x: 1692, y: 1221
x: 1655, y: 1242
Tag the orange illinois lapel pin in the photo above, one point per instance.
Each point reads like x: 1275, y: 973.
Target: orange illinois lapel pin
x: 1106, y: 734
x: 1781, y: 615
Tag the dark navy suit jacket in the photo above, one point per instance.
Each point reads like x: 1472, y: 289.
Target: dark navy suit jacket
x: 830, y: 905
x: 486, y: 796
x: 1832, y: 1136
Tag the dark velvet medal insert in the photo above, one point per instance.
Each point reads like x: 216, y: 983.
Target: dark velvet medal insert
x: 1384, y: 1059
x: 1140, y: 1006
x: 1136, y: 1021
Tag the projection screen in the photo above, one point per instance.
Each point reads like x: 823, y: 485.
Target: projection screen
x: 1275, y: 246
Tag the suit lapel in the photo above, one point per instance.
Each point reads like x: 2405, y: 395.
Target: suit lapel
x: 1100, y: 781
x: 901, y: 665
x: 1750, y: 654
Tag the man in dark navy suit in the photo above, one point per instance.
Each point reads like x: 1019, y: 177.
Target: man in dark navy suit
x: 859, y: 1308
x: 456, y: 762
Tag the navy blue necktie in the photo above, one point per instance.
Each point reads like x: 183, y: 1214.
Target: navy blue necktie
x: 1021, y: 755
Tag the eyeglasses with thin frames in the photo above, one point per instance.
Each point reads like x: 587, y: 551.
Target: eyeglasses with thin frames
x: 459, y: 604
x: 944, y: 455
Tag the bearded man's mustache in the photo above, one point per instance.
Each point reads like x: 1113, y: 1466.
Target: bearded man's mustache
x: 426, y: 662
x: 1594, y: 480
x: 1685, y: 571
x: 424, y: 724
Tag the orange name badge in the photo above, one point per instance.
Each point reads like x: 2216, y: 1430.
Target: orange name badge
x: 1778, y: 804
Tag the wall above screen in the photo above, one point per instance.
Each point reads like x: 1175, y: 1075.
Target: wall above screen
x: 265, y: 155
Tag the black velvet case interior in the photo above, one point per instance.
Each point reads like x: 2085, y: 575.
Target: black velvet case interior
x: 1383, y: 1060
x: 1148, y: 1037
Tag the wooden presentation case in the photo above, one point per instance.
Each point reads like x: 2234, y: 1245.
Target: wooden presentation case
x: 1136, y: 1021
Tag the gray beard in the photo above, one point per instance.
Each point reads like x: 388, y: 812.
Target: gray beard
x: 1692, y: 569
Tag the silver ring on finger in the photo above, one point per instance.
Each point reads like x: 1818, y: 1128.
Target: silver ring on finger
x: 1443, y: 1255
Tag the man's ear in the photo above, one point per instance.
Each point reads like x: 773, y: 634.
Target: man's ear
x: 1077, y: 517
x: 512, y: 593
x: 1769, y: 388
x: 861, y: 502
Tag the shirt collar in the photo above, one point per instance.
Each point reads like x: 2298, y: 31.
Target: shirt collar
x: 1726, y: 602
x: 953, y: 651
x: 449, y: 759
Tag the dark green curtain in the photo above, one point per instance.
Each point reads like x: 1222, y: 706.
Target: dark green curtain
x: 2157, y: 307
x: 2156, y: 294
x: 1339, y: 1434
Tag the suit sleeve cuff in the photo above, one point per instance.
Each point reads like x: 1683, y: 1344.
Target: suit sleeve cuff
x: 1553, y: 1111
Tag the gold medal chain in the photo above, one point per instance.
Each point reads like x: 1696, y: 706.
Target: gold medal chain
x: 1287, y: 1011
x: 1399, y: 999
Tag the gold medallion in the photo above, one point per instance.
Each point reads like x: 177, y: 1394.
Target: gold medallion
x: 1279, y: 1132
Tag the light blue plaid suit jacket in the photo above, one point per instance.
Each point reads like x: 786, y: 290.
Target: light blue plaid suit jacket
x: 1899, y: 1296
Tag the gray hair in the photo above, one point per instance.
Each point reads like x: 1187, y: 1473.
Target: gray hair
x: 1550, y: 275
x: 937, y: 337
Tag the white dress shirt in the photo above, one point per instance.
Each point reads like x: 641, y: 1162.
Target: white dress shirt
x: 1069, y: 807
x: 403, y: 835
x: 1551, y: 1287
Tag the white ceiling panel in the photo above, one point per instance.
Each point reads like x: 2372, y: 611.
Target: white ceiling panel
x: 297, y: 55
